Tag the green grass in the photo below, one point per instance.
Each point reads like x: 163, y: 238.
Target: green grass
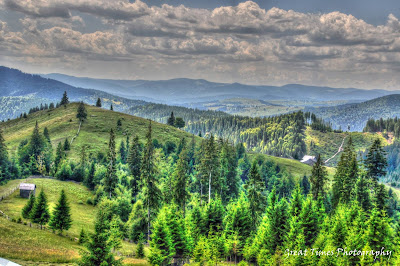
x: 62, y: 123
x: 41, y: 245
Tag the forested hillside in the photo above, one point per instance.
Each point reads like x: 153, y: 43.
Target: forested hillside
x: 189, y: 198
x: 353, y: 117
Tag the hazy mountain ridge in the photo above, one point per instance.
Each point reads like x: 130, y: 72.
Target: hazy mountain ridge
x: 184, y: 91
x: 356, y: 115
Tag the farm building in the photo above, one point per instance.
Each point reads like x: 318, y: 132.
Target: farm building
x: 310, y: 160
x: 25, y: 190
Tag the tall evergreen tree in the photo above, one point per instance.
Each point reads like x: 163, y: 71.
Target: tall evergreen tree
x: 362, y: 192
x: 59, y: 154
x: 64, y: 99
x: 180, y: 192
x: 229, y: 179
x: 82, y: 113
x: 134, y: 163
x: 208, y: 166
x: 37, y: 143
x: 98, y: 244
x: 255, y: 188
x: 111, y: 179
x: 346, y: 175
x: 67, y: 146
x: 376, y: 163
x: 40, y: 211
x: 26, y: 211
x: 318, y: 178
x: 46, y: 134
x: 123, y: 152
x: 151, y: 191
x: 171, y: 120
x: 89, y: 181
x: 111, y: 108
x: 98, y: 102
x: 61, y: 217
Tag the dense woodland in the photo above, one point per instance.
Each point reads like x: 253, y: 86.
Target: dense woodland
x: 206, y: 202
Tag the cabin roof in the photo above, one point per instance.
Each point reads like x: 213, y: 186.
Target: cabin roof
x: 26, y: 186
x: 307, y: 158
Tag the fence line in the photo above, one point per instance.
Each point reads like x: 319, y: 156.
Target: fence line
x: 7, y: 194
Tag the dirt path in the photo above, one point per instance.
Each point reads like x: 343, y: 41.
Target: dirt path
x: 77, y: 133
x: 339, y: 150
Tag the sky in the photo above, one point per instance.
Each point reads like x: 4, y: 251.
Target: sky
x: 353, y: 43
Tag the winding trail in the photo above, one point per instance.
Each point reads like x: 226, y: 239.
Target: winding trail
x: 77, y: 133
x: 339, y: 150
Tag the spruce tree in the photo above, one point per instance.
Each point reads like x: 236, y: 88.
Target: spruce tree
x: 208, y: 166
x: 115, y: 238
x: 111, y: 108
x: 82, y: 237
x: 381, y: 197
x: 229, y: 184
x: 379, y: 233
x: 140, y: 247
x: 180, y: 192
x: 26, y: 211
x: 64, y: 99
x: 67, y: 146
x: 98, y: 244
x: 318, y: 178
x: 111, y: 179
x: 255, y: 188
x: 134, y: 163
x: 89, y: 180
x: 148, y: 170
x: 376, y: 163
x: 59, y: 154
x: 40, y: 211
x: 46, y: 134
x: 122, y: 152
x: 98, y: 103
x: 37, y: 143
x: 171, y: 120
x: 82, y: 113
x: 362, y: 192
x: 61, y: 217
x: 309, y: 220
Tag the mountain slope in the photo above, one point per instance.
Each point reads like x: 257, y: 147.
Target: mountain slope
x: 21, y: 91
x: 356, y: 115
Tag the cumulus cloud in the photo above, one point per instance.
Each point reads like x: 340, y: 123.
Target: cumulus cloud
x: 243, y: 41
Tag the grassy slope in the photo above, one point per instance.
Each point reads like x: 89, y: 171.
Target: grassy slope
x: 327, y: 144
x: 41, y: 245
x: 62, y: 123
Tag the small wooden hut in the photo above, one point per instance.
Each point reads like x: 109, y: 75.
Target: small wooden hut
x: 25, y: 190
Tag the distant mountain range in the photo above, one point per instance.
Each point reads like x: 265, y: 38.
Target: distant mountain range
x: 356, y: 115
x: 188, y: 91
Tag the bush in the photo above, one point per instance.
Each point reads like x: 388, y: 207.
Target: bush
x: 90, y: 201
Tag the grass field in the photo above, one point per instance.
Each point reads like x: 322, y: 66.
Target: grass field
x: 62, y: 123
x: 21, y: 242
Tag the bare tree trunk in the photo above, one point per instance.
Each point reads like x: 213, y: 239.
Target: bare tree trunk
x: 209, y: 189
x: 201, y: 194
x: 148, y: 224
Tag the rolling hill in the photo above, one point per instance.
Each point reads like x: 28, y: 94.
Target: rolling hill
x: 21, y: 91
x: 356, y: 115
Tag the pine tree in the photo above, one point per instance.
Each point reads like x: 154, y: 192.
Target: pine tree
x: 180, y: 181
x: 296, y: 203
x: 37, y: 143
x: 111, y: 108
x: 89, y: 180
x: 122, y: 152
x: 318, y: 178
x: 229, y: 179
x: 171, y: 120
x: 82, y: 113
x: 26, y: 211
x: 40, y: 211
x: 115, y: 239
x: 148, y: 170
x: 134, y: 163
x: 98, y: 244
x: 64, y: 99
x: 98, y: 103
x: 111, y: 179
x: 67, y: 146
x: 82, y: 237
x: 59, y: 154
x: 381, y: 197
x: 376, y: 163
x: 46, y: 134
x: 61, y: 217
x: 361, y: 192
x: 309, y: 220
x: 179, y: 122
x: 346, y: 175
x: 379, y: 233
x: 255, y: 188
x: 208, y: 166
x: 140, y: 247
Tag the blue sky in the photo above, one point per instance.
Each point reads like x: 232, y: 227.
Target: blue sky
x: 330, y: 43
